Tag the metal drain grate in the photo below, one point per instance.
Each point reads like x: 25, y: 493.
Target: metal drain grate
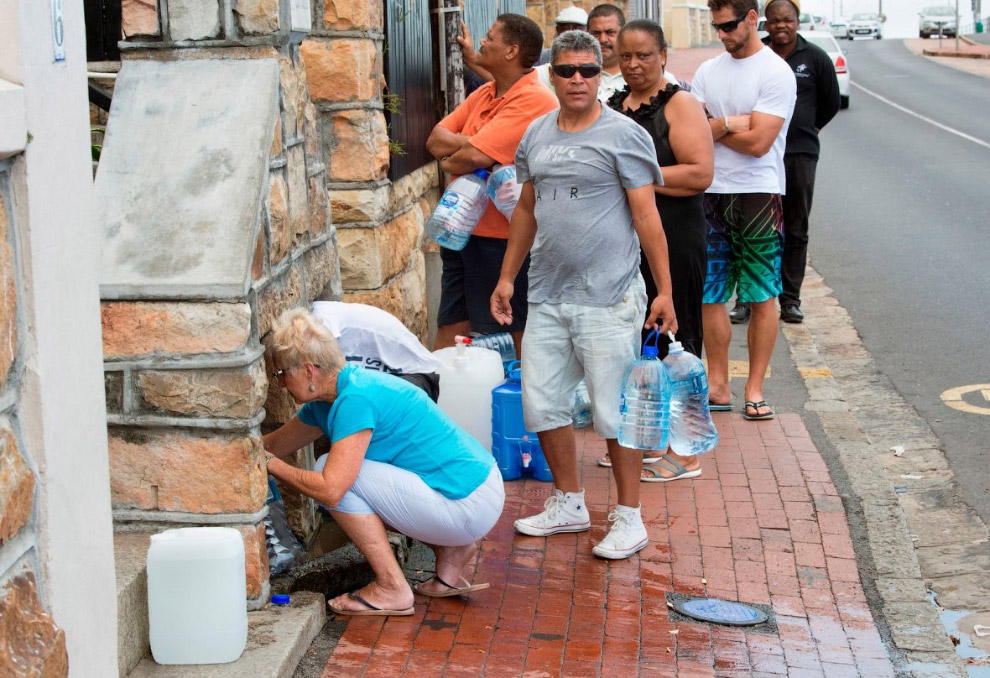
x: 723, y: 612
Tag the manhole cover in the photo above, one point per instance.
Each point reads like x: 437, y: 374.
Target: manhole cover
x: 720, y: 612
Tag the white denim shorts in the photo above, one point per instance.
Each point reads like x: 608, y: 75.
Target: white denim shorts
x: 565, y: 342
x: 408, y: 505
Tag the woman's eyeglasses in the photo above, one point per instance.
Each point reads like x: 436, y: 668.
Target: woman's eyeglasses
x: 567, y: 71
x: 729, y: 26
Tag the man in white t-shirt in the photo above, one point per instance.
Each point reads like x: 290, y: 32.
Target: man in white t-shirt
x: 749, y: 94
x: 376, y: 340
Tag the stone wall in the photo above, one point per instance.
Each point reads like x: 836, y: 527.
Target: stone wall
x: 203, y: 253
x: 43, y: 650
x: 380, y: 224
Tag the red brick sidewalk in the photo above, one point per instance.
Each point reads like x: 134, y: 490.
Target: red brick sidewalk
x: 763, y: 524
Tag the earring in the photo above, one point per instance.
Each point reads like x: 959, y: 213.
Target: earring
x: 312, y: 388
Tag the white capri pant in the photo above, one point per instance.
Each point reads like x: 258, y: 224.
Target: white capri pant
x: 408, y: 505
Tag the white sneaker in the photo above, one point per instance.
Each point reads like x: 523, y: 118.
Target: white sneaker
x: 561, y: 513
x: 626, y: 536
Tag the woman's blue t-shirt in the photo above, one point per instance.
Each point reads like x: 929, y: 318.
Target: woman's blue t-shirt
x: 408, y: 430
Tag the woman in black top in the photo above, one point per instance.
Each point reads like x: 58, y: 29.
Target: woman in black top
x: 685, y: 153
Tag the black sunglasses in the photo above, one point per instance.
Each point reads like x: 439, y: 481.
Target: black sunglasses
x: 729, y: 26
x: 567, y: 71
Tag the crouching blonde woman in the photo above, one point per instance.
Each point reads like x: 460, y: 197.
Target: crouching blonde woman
x: 396, y: 460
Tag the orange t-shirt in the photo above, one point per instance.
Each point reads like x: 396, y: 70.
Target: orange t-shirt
x: 496, y: 126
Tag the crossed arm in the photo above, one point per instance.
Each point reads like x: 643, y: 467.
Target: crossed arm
x: 339, y: 473
x: 751, y: 134
x: 455, y: 152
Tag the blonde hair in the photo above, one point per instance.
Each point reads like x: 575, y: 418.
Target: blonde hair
x: 297, y: 337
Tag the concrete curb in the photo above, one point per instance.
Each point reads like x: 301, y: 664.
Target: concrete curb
x: 863, y: 416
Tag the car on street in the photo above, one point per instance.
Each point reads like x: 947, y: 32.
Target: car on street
x: 931, y: 19
x: 818, y: 23
x: 865, y: 25
x: 839, y: 59
x: 840, y: 29
x: 805, y: 21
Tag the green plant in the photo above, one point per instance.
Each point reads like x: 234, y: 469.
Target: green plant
x: 391, y: 102
x: 396, y: 147
x: 96, y: 148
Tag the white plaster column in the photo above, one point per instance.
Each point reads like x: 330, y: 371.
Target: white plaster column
x: 63, y: 410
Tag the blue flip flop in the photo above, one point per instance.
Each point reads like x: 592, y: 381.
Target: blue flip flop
x: 719, y: 407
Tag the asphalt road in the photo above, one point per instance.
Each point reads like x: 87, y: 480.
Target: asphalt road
x: 900, y: 231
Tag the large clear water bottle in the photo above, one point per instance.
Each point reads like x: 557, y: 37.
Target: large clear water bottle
x: 501, y: 342
x: 644, y: 408
x: 692, y: 430
x: 582, y: 413
x: 504, y: 190
x: 459, y: 210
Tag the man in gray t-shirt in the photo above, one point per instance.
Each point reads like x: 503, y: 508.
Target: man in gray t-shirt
x: 587, y: 203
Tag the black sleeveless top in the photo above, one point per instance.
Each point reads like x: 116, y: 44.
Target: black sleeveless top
x: 683, y: 218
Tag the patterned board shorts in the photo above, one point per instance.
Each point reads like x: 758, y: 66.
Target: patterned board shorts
x: 745, y: 240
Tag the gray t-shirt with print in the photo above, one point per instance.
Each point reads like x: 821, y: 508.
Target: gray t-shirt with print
x: 586, y: 250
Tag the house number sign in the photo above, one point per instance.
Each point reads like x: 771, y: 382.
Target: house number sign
x: 58, y: 31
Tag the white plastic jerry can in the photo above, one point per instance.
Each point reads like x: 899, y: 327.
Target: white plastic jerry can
x: 467, y: 376
x: 197, y: 601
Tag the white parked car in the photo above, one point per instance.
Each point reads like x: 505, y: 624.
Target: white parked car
x: 828, y: 43
x: 818, y: 23
x: 865, y: 26
x: 805, y: 21
x: 931, y: 19
x: 840, y: 29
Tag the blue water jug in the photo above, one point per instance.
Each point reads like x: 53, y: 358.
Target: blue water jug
x: 644, y: 406
x: 517, y: 451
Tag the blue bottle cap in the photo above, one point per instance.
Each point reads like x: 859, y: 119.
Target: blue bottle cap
x: 650, y: 351
x: 280, y: 599
x: 481, y: 173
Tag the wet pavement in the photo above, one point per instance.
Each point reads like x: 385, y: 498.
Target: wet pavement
x: 763, y: 525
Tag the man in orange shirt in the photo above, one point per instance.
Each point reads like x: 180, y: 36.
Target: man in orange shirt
x: 482, y: 131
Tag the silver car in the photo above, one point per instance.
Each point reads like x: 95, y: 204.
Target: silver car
x: 931, y: 19
x: 865, y: 26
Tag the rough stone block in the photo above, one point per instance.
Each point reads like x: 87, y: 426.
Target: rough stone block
x: 319, y: 209
x: 300, y: 510
x: 8, y: 296
x: 298, y: 194
x: 276, y: 297
x: 277, y: 138
x: 424, y: 182
x: 238, y: 393
x: 278, y: 217
x: 359, y: 148
x: 113, y: 386
x: 321, y: 270
x: 403, y: 296
x: 256, y: 17
x: 177, y: 470
x: 291, y: 92
x: 258, y: 259
x: 138, y: 328
x: 311, y: 132
x: 344, y: 69
x: 16, y: 485
x: 139, y: 18
x: 346, y: 15
x: 193, y: 19
x: 280, y: 406
x: 359, y: 205
x: 255, y: 558
x: 369, y: 257
x: 30, y: 642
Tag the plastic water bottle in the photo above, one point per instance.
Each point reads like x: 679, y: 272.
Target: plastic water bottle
x: 581, y: 414
x: 692, y: 430
x: 644, y: 408
x: 504, y: 190
x: 501, y: 342
x: 459, y: 210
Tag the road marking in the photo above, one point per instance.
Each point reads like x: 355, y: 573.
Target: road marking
x: 954, y: 398
x: 967, y: 137
x: 815, y: 372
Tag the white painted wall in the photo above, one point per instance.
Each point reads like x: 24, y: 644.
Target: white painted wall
x: 62, y: 406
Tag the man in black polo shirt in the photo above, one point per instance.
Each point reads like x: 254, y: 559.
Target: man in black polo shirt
x: 817, y: 103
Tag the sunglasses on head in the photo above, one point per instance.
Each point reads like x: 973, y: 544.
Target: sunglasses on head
x: 729, y: 26
x: 567, y: 71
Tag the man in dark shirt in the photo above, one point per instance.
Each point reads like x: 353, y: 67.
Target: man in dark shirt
x: 817, y: 103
